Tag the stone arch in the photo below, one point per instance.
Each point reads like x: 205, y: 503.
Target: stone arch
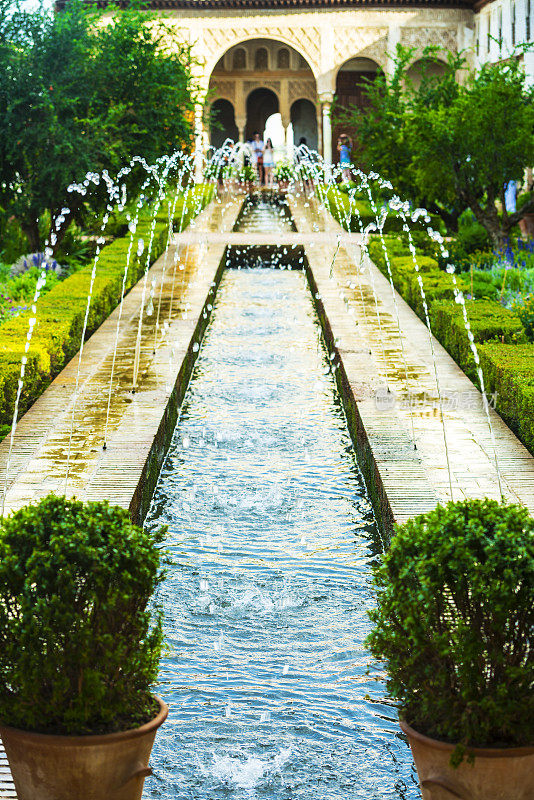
x: 290, y: 37
x: 304, y: 121
x: 369, y: 43
x: 351, y: 79
x: 261, y: 103
x: 282, y: 58
x: 261, y: 58
x: 222, y: 122
x: 432, y: 66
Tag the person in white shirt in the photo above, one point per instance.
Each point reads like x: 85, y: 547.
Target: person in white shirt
x: 268, y: 163
x: 257, y: 154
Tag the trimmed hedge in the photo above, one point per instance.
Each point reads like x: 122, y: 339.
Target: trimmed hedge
x: 507, y: 361
x: 60, y: 313
x: 488, y: 320
x: 509, y: 372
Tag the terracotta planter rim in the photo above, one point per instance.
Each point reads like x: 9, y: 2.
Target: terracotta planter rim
x: 481, y: 752
x: 92, y: 739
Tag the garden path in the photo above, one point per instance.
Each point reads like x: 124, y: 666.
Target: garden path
x: 365, y: 326
x: 42, y: 436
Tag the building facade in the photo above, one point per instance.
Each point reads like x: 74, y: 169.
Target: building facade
x: 255, y: 58
x: 501, y: 26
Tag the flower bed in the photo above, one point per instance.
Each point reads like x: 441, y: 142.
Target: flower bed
x: 60, y: 312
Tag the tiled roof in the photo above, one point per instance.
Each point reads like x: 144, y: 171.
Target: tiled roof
x: 275, y: 5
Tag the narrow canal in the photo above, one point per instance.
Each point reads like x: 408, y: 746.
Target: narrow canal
x: 272, y: 537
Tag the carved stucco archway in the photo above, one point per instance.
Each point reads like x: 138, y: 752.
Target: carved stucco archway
x: 326, y: 38
x: 290, y: 82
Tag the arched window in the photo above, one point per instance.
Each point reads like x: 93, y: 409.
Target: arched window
x: 261, y: 58
x: 303, y: 64
x: 240, y: 59
x: 283, y: 58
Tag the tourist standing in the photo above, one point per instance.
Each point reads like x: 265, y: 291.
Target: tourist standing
x: 257, y: 155
x: 268, y: 163
x: 344, y: 146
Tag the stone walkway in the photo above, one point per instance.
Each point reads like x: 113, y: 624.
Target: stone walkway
x: 385, y: 371
x: 42, y: 437
x: 396, y: 391
x: 140, y: 423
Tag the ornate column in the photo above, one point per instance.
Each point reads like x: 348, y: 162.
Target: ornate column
x: 286, y: 122
x: 199, y: 142
x: 241, y: 123
x: 319, y: 131
x: 394, y: 37
x: 326, y: 101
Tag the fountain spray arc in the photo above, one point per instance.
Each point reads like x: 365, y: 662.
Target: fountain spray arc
x: 222, y: 169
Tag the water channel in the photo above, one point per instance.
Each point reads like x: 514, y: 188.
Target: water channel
x: 272, y: 537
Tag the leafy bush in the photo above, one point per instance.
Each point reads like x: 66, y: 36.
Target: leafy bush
x: 524, y: 308
x: 454, y: 622
x: 13, y: 241
x: 247, y: 174
x: 284, y: 171
x: 524, y: 198
x: 473, y: 238
x: 79, y: 648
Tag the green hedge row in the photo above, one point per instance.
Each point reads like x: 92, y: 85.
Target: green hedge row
x: 60, y: 313
x: 507, y: 360
x: 509, y: 373
x: 488, y: 319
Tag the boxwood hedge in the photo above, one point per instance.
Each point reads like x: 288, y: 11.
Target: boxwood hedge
x: 60, y: 313
x: 509, y: 373
x: 80, y: 641
x: 507, y: 361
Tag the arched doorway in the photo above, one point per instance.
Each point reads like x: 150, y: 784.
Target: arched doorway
x: 261, y: 104
x: 222, y: 123
x: 425, y: 68
x: 262, y: 77
x: 353, y: 76
x: 304, y: 121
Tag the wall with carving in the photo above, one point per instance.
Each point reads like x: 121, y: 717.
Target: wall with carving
x: 325, y: 38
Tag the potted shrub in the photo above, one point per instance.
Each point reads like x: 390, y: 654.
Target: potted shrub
x: 247, y: 177
x: 79, y: 650
x: 454, y: 622
x: 284, y: 173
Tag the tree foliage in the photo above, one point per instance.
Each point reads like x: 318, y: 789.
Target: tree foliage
x: 451, y: 145
x: 80, y: 93
x: 79, y: 648
x: 455, y: 619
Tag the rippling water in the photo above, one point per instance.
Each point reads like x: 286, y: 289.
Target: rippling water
x: 272, y: 537
x: 265, y: 213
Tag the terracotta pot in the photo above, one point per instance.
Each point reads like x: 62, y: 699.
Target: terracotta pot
x: 495, y: 774
x: 108, y: 767
x: 526, y: 225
